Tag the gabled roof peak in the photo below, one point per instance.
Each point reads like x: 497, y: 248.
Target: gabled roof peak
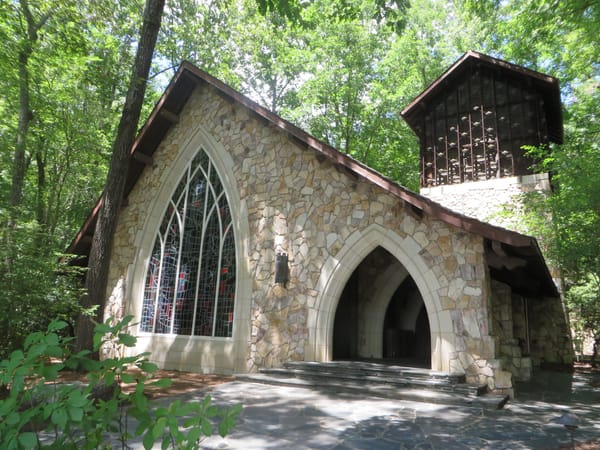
x: 546, y: 85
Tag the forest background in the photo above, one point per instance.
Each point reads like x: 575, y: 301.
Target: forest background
x: 341, y: 69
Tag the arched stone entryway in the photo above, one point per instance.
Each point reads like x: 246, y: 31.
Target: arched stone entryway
x: 381, y: 315
x: 406, y: 261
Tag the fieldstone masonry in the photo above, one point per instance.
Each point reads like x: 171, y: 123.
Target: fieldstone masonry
x: 296, y: 201
x: 498, y: 201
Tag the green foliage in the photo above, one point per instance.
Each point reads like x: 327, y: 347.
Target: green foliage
x: 287, y: 8
x: 33, y: 291
x: 38, y: 411
x: 571, y: 237
x: 575, y: 207
x: 583, y: 301
x: 77, y: 66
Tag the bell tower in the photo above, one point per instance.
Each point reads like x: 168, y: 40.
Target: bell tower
x: 472, y: 124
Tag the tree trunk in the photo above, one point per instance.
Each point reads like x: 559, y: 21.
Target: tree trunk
x: 25, y: 114
x: 98, y: 266
x: 41, y: 212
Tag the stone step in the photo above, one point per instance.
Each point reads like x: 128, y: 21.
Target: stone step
x: 377, y: 373
x: 375, y: 369
x: 398, y: 381
x: 380, y: 380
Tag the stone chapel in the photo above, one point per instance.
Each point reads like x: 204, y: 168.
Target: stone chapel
x: 244, y: 242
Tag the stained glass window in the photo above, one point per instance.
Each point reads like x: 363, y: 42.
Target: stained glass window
x: 190, y: 282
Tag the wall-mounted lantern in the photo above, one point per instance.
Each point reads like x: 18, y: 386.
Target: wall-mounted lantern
x: 282, y: 271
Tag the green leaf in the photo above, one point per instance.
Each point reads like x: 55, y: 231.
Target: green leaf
x: 161, y: 412
x: 36, y: 350
x: 223, y: 428
x: 57, y: 325
x: 189, y: 422
x: 127, y: 378
x: 12, y: 418
x: 97, y: 341
x: 51, y: 339
x: 162, y: 383
x: 206, y: 427
x: 127, y: 319
x: 17, y: 355
x: 77, y: 399
x: 127, y: 340
x: 148, y: 366
x: 193, y: 435
x: 159, y: 427
x: 102, y: 329
x: 149, y: 440
x: 76, y: 414
x: 212, y: 411
x: 55, y: 351
x: 28, y: 440
x: 50, y: 372
x: 32, y: 338
x: 59, y: 418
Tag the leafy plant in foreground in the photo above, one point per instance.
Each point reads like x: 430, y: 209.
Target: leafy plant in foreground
x: 39, y: 411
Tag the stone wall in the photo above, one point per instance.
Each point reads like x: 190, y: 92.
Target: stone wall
x: 298, y: 202
x: 528, y: 331
x: 550, y: 336
x: 496, y: 201
x: 510, y: 331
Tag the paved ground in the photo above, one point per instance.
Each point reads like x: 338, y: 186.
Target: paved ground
x: 297, y: 418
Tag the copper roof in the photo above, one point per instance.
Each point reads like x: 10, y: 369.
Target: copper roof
x: 165, y: 114
x: 547, y: 86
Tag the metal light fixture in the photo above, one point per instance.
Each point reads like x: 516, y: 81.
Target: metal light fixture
x: 282, y: 271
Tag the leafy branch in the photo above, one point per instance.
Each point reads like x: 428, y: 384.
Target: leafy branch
x: 37, y: 410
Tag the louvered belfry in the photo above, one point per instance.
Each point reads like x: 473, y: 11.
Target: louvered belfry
x: 474, y: 120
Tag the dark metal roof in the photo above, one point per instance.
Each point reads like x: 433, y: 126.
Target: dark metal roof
x: 165, y: 114
x: 547, y: 86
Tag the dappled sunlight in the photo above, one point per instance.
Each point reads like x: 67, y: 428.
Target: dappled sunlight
x: 291, y: 417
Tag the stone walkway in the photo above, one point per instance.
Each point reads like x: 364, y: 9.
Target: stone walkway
x: 298, y: 418
x: 276, y: 417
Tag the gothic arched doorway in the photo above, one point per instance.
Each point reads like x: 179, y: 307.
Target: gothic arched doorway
x: 381, y: 315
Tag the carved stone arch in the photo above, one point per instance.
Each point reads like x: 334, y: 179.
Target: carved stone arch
x: 337, y: 271
x: 201, y: 351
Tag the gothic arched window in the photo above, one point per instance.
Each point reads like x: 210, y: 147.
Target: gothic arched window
x: 190, y: 282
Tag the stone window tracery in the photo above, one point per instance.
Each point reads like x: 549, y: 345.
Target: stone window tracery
x: 190, y: 280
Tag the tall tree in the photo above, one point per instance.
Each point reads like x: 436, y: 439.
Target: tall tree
x: 27, y: 42
x: 43, y: 52
x: 270, y: 56
x: 56, y: 113
x: 184, y: 36
x: 97, y: 276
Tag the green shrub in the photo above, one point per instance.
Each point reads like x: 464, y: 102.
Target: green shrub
x: 38, y: 411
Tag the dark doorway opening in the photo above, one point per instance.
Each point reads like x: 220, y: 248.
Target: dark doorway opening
x: 345, y: 330
x: 406, y: 335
